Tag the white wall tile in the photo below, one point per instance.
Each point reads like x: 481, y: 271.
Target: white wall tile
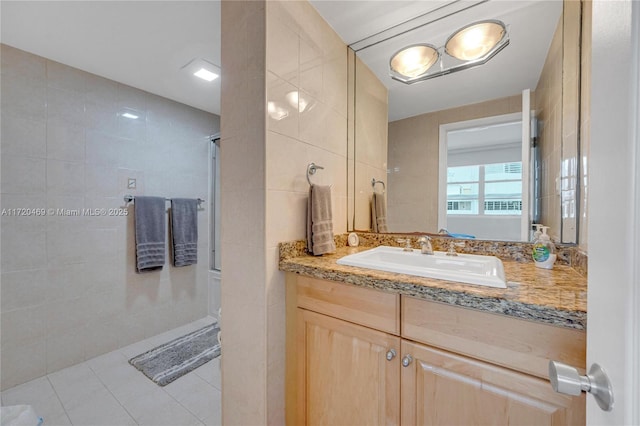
x: 22, y: 326
x: 23, y: 289
x: 64, y: 349
x: 22, y: 362
x: 64, y: 77
x: 23, y: 97
x: 65, y: 177
x: 18, y: 63
x: 65, y: 141
x: 22, y: 249
x: 23, y: 137
x: 65, y: 105
x: 22, y: 175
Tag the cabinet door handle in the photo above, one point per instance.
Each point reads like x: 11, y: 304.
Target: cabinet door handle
x: 407, y: 360
x: 391, y: 354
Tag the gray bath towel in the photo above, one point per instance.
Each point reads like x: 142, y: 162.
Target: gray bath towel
x: 184, y: 231
x: 320, y: 221
x: 150, y: 233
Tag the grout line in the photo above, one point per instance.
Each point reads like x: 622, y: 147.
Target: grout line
x: 180, y: 403
x: 111, y: 393
x: 64, y: 409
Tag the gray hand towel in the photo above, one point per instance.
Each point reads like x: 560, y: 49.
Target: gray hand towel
x: 320, y: 221
x: 184, y: 231
x: 381, y: 212
x: 150, y: 233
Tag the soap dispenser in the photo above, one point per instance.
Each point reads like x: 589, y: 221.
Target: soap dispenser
x: 536, y: 235
x: 544, y: 250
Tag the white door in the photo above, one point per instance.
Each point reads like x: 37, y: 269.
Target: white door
x: 613, y: 334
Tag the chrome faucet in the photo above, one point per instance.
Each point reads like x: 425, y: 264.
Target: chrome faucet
x: 425, y: 245
x: 452, y: 248
x: 407, y: 241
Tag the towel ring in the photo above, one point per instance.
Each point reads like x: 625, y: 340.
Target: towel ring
x: 373, y: 185
x: 311, y: 170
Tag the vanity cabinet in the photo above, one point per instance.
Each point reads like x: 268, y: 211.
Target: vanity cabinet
x: 346, y: 377
x: 358, y: 356
x: 442, y: 388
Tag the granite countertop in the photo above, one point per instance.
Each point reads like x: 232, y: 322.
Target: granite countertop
x: 557, y: 297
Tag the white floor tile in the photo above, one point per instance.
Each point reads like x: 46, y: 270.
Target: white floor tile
x: 196, y: 395
x: 97, y: 409
x: 75, y: 383
x: 39, y: 394
x: 107, y: 390
x: 61, y: 420
x: 160, y: 409
x: 210, y: 372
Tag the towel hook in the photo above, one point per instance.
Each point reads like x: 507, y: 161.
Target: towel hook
x: 373, y: 185
x: 311, y: 170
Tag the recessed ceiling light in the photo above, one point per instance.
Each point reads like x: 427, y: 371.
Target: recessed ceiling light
x: 203, y: 69
x: 205, y: 74
x: 129, y: 115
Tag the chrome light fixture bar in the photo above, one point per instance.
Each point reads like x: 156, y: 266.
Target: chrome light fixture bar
x: 470, y: 46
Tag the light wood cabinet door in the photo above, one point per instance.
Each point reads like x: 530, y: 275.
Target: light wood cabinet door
x: 441, y: 388
x: 343, y: 375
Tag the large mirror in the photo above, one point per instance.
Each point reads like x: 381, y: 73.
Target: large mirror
x: 482, y: 152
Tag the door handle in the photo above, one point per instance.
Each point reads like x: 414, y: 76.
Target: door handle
x: 391, y: 354
x: 566, y: 379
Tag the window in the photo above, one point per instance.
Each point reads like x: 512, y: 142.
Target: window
x: 485, y: 189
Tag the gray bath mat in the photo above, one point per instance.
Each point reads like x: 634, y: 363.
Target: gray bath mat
x: 176, y: 358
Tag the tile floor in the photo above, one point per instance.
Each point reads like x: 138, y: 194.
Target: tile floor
x: 107, y: 390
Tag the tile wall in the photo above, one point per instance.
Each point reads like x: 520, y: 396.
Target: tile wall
x: 69, y: 286
x: 284, y: 103
x: 549, y: 115
x: 371, y: 134
x: 243, y: 200
x: 414, y: 157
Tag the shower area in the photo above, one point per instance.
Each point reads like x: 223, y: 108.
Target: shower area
x: 82, y: 331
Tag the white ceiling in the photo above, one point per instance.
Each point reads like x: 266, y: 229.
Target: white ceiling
x: 145, y: 43
x: 530, y: 23
x: 140, y: 43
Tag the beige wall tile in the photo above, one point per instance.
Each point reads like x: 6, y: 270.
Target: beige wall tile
x: 282, y: 115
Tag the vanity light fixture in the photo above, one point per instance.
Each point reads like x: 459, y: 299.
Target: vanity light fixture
x: 415, y: 60
x: 470, y: 46
x: 475, y: 40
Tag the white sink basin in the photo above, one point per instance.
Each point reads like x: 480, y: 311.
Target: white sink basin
x: 466, y: 268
